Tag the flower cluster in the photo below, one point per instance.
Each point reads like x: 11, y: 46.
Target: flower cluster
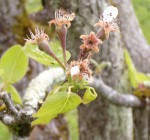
x: 108, y: 22
x: 76, y: 69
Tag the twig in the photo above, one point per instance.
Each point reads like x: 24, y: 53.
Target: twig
x: 8, y: 102
x: 122, y: 99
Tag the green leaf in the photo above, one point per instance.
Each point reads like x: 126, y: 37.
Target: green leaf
x: 1, y: 72
x: 56, y: 104
x: 14, y: 64
x: 14, y: 94
x: 135, y: 77
x: 89, y: 95
x: 33, y: 52
x: 59, y: 88
x: 4, y: 132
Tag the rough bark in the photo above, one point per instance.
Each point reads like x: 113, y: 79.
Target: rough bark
x: 106, y: 121
x: 14, y: 23
x: 134, y: 41
x: 131, y: 36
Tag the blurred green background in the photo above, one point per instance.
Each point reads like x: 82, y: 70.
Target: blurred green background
x: 142, y: 10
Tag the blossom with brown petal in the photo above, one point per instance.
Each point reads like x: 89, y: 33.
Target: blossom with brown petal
x: 90, y: 42
x: 80, y: 70
x: 62, y: 18
x: 38, y: 37
x: 108, y: 20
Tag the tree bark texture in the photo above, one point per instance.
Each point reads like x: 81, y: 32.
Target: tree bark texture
x: 101, y: 120
x: 14, y: 23
x: 134, y: 41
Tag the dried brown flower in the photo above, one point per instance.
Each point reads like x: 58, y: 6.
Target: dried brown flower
x: 90, y: 42
x: 38, y: 37
x: 62, y: 18
x: 80, y: 70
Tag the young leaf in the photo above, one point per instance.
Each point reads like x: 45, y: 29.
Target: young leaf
x: 33, y: 52
x: 89, y: 95
x: 134, y: 76
x: 4, y: 132
x: 56, y: 104
x: 14, y: 64
x: 14, y: 94
x: 1, y: 72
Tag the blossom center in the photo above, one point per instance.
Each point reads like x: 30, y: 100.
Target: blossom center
x: 90, y: 42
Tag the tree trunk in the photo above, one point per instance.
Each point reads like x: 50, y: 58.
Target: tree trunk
x: 14, y: 23
x: 103, y: 120
x: 133, y: 39
x: 99, y: 120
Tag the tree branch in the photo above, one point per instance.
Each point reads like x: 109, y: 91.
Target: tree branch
x: 8, y: 102
x: 38, y: 86
x: 114, y: 96
x: 18, y: 118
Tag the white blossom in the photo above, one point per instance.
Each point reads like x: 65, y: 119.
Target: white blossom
x: 74, y: 70
x: 110, y: 13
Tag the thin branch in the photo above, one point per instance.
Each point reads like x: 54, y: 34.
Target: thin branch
x: 8, y: 102
x: 8, y: 119
x: 122, y: 99
x: 15, y: 116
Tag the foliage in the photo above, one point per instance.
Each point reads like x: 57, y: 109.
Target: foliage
x: 4, y: 132
x: 13, y: 66
x: 33, y: 52
x: 134, y: 76
x: 33, y: 6
x: 137, y: 79
x: 142, y: 8
x: 61, y: 100
x: 14, y: 93
x: 56, y: 104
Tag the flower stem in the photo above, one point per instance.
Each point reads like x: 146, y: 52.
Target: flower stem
x: 44, y: 46
x: 56, y: 58
x: 62, y: 33
x: 101, y: 34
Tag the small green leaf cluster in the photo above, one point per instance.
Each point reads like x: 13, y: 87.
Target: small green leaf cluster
x: 63, y: 98
x: 137, y: 79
